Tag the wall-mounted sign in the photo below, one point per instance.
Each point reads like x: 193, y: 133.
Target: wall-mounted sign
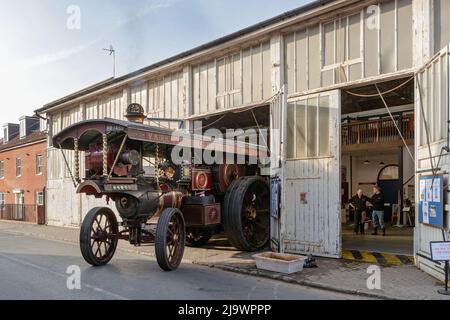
x: 440, y: 251
x: 275, y: 188
x: 304, y: 198
x: 431, y: 200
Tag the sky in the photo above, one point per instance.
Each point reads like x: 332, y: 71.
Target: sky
x: 51, y: 48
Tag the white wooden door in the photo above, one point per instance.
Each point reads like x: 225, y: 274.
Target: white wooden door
x: 311, y: 176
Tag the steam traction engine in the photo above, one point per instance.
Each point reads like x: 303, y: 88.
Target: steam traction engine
x: 128, y: 163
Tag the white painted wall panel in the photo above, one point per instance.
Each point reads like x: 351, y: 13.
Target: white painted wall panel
x: 233, y: 80
x: 387, y: 37
x: 405, y: 34
x: 138, y: 94
x: 441, y: 13
x: 91, y: 110
x: 349, y: 48
x: 314, y: 65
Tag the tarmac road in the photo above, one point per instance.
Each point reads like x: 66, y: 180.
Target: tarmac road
x: 35, y: 269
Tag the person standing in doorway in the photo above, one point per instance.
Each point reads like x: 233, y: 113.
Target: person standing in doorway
x: 378, y: 210
x: 358, y: 203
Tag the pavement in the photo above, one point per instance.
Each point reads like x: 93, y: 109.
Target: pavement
x: 398, y: 241
x: 34, y: 265
x: 348, y: 278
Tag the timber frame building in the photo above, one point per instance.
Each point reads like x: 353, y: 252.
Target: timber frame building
x: 300, y: 65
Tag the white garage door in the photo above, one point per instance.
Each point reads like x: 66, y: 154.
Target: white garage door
x: 311, y: 215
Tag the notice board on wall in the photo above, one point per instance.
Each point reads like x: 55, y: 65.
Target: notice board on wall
x: 431, y: 200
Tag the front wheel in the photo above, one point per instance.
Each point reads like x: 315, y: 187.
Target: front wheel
x: 170, y: 239
x: 98, y: 236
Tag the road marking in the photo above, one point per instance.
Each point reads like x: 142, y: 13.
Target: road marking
x: 381, y: 258
x: 35, y: 266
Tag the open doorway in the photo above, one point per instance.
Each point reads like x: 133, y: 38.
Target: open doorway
x: 375, y: 153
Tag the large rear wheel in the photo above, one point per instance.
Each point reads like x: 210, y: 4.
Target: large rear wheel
x: 98, y: 236
x: 246, y: 213
x: 170, y: 239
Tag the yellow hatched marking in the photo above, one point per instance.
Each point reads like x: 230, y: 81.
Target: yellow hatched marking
x: 392, y: 259
x: 347, y: 255
x: 368, y: 257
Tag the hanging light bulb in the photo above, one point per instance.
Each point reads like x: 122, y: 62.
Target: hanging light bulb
x: 367, y: 162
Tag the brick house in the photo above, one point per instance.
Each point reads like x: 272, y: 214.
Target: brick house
x: 22, y: 171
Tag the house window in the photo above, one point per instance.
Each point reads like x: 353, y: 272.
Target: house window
x: 2, y: 199
x: 18, y: 167
x: 39, y: 198
x: 2, y: 169
x: 23, y: 129
x: 5, y: 135
x: 39, y: 164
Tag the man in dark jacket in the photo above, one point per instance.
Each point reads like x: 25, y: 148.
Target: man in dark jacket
x: 378, y: 210
x: 358, y: 203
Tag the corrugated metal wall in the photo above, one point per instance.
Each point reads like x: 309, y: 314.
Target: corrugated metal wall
x: 350, y: 48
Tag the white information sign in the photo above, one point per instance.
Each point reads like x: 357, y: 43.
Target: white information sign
x: 440, y: 251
